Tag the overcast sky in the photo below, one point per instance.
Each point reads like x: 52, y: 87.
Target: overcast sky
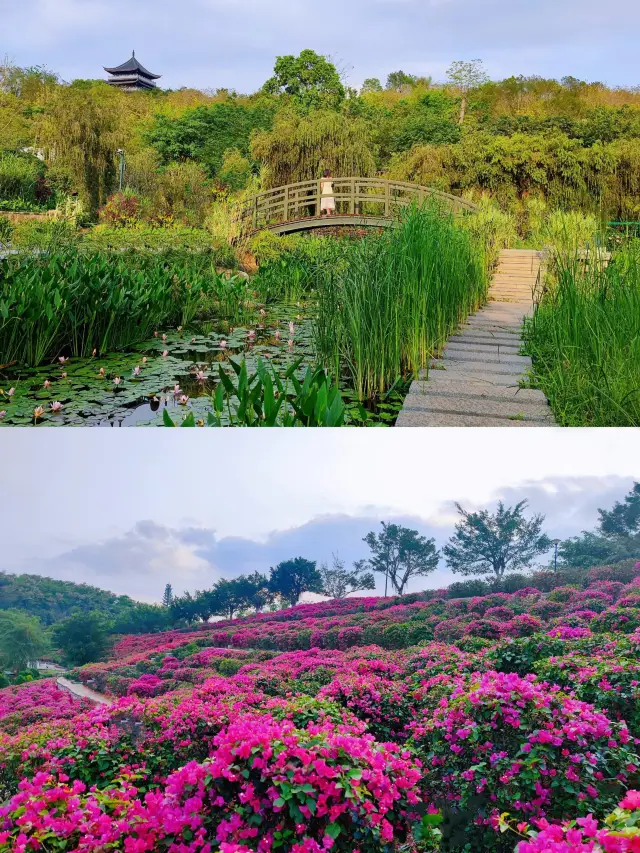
x: 132, y: 510
x: 232, y: 43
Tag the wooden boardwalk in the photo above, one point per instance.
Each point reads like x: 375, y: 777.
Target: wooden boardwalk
x: 476, y: 381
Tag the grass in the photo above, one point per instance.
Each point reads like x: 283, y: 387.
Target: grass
x: 584, y: 340
x: 69, y: 303
x: 384, y: 312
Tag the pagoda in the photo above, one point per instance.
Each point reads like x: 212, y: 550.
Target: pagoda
x: 131, y: 76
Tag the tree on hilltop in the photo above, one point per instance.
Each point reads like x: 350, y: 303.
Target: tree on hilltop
x: 503, y: 542
x: 399, y: 554
x: 311, y: 80
x: 291, y: 578
x: 466, y: 76
x: 339, y: 582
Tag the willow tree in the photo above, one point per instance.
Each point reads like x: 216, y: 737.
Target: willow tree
x: 299, y: 148
x: 81, y: 131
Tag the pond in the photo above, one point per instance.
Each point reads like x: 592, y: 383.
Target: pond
x: 176, y: 370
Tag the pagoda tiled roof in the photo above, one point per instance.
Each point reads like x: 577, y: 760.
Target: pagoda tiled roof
x: 132, y: 66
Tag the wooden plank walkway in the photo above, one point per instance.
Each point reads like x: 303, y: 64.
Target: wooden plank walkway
x: 475, y: 383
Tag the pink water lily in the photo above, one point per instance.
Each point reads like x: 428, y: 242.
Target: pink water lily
x: 252, y: 335
x: 290, y: 343
x: 56, y: 406
x: 94, y: 353
x: 11, y: 392
x: 62, y: 359
x: 2, y: 414
x: 136, y: 370
x: 165, y: 353
x: 177, y: 390
x: 155, y: 334
x: 179, y: 328
x: 278, y: 335
x: 38, y: 412
x: 193, y: 340
x: 144, y: 360
x: 164, y: 337
x: 223, y: 344
x: 101, y: 371
x: 292, y: 328
x: 117, y: 381
x: 184, y: 400
x: 46, y: 383
x: 201, y: 376
x: 64, y: 374
x: 262, y: 312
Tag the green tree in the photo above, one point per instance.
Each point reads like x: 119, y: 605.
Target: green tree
x: 398, y: 81
x: 466, y: 76
x: 22, y: 640
x: 616, y: 538
x: 235, y: 171
x: 503, y: 542
x: 311, y: 80
x: 371, y: 84
x: 293, y: 577
x: 400, y: 554
x: 339, y: 582
x: 167, y: 598
x: 82, y: 638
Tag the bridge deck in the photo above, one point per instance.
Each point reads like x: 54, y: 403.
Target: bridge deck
x: 310, y: 222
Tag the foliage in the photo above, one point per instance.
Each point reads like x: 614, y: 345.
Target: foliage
x: 300, y: 148
x: 339, y: 582
x: 400, y: 554
x: 500, y: 543
x: 21, y: 178
x: 236, y: 170
x: 22, y: 640
x: 109, y: 301
x: 584, y: 340
x: 385, y: 312
x: 52, y: 600
x: 122, y: 210
x: 311, y: 80
x: 82, y: 638
x: 291, y: 578
x: 466, y: 76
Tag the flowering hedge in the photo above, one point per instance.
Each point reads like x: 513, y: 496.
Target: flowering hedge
x: 500, y: 743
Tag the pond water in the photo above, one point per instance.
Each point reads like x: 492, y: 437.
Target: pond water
x: 177, y: 370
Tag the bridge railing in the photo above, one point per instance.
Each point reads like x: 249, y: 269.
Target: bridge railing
x: 358, y: 197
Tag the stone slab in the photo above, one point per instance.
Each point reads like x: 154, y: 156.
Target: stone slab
x: 442, y: 383
x: 485, y: 355
x: 507, y: 379
x: 484, y: 366
x: 460, y: 404
x: 416, y: 418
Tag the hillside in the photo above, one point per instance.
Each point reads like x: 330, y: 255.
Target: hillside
x: 364, y: 724
x: 52, y: 600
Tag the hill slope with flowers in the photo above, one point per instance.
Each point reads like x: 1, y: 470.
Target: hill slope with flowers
x: 370, y: 725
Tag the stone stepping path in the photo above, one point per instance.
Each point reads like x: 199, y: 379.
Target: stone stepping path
x: 476, y: 381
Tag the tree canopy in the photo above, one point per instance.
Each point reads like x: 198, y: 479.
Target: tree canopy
x: 339, y: 582
x: 291, y: 578
x: 311, y: 80
x: 505, y: 541
x: 399, y: 554
x: 22, y: 640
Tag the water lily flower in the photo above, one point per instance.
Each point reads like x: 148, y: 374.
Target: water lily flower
x: 38, y: 412
x: 94, y: 353
x: 64, y: 374
x: 177, y: 390
x: 164, y: 337
x: 262, y: 312
x: 2, y: 414
x: 11, y: 392
x: 193, y: 340
x: 165, y: 353
x: 144, y: 360
x: 56, y: 406
x: 117, y: 381
x: 292, y: 328
x: 278, y: 335
x: 252, y: 335
x: 155, y: 334
x: 62, y: 359
x: 101, y: 371
x: 136, y: 370
x: 184, y: 400
x: 223, y: 344
x: 201, y: 376
x: 47, y: 383
x: 179, y: 328
x: 290, y: 343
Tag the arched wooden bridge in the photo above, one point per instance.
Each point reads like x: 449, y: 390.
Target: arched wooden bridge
x: 368, y: 202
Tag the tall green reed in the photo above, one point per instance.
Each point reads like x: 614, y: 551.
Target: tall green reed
x: 70, y: 302
x: 385, y: 312
x: 584, y: 339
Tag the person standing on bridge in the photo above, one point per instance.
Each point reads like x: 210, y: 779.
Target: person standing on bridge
x: 327, y: 200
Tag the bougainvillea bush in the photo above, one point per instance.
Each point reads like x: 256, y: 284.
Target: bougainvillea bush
x: 364, y: 726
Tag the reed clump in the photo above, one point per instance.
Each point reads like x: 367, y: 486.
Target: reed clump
x: 584, y: 338
x: 387, y: 309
